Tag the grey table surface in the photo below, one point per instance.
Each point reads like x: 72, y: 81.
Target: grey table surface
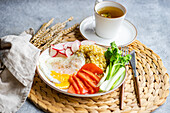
x: 151, y: 18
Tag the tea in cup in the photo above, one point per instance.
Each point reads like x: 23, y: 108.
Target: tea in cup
x: 109, y: 16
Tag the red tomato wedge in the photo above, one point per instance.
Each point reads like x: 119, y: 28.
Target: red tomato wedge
x: 92, y: 68
x: 84, y: 77
x: 82, y: 87
x: 72, y: 81
x: 71, y: 89
x: 91, y: 75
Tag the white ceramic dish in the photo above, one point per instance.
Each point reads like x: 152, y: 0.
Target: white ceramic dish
x: 127, y: 34
x: 43, y: 77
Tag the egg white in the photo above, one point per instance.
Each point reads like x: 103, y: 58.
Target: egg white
x: 46, y: 61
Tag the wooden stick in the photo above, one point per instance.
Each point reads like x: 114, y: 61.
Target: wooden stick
x: 122, y: 95
x: 137, y: 90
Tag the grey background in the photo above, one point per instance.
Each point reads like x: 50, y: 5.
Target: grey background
x: 151, y: 18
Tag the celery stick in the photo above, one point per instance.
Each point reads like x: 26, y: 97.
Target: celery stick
x: 109, y: 73
x: 119, y: 80
x: 114, y: 78
x: 114, y: 70
x: 104, y: 85
x: 104, y: 77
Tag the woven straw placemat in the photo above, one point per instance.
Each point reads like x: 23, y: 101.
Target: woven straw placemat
x: 153, y: 83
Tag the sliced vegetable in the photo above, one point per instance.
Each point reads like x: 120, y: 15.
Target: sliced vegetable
x: 68, y: 52
x: 52, y: 52
x: 75, y: 46
x: 55, y: 54
x: 72, y: 81
x: 90, y: 89
x: 67, y: 49
x: 104, y: 85
x: 79, y: 43
x: 114, y: 78
x: 87, y: 42
x: 119, y: 80
x: 104, y: 77
x: 92, y: 68
x: 68, y: 45
x: 97, y: 89
x: 60, y: 55
x: 71, y: 89
x: 62, y: 52
x: 115, y: 68
x: 87, y: 79
x: 91, y: 75
x: 59, y: 47
x: 82, y: 87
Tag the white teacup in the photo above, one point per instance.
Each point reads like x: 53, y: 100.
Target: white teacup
x: 108, y: 27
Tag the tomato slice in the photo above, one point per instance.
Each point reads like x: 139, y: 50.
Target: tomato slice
x: 84, y: 77
x: 72, y: 81
x: 71, y: 89
x: 92, y: 68
x: 82, y: 87
x: 91, y: 75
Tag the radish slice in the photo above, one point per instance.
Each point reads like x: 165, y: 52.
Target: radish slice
x: 60, y: 55
x: 62, y: 52
x: 75, y: 46
x: 68, y: 45
x: 79, y: 43
x: 53, y: 52
x: 59, y: 47
x: 68, y: 52
x: 87, y: 42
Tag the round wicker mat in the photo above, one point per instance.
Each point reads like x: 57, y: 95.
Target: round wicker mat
x: 153, y: 82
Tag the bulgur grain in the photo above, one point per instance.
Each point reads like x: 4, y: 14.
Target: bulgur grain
x: 94, y: 54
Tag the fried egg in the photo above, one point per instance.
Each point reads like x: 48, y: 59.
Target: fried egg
x: 63, y: 65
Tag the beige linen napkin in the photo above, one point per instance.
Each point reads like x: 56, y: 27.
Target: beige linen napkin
x: 16, y: 80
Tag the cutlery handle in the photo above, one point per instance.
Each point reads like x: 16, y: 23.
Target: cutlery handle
x: 122, y: 95
x: 137, y: 90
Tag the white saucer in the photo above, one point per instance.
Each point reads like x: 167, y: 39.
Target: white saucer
x: 127, y: 34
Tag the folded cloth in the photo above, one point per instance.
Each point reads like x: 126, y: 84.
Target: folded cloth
x: 16, y: 79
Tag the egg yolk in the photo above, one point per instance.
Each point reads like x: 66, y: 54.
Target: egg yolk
x: 63, y: 78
